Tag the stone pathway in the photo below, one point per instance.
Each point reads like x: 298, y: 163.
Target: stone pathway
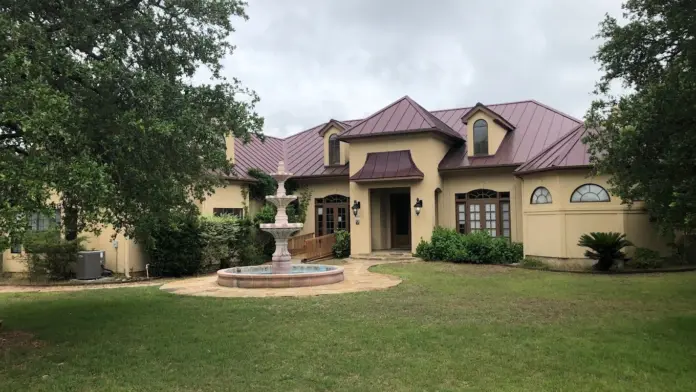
x: 357, y: 278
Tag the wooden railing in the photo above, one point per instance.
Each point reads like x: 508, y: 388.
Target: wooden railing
x: 319, y: 247
x: 297, y: 244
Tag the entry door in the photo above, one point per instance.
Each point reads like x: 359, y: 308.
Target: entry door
x: 400, y: 205
x: 483, y: 216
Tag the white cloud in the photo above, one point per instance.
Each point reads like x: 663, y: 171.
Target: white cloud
x: 311, y: 60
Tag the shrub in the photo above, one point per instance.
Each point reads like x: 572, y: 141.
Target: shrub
x: 49, y: 256
x: 253, y: 247
x: 424, y: 250
x: 478, y: 248
x: 644, y: 258
x: 341, y: 248
x: 604, y: 247
x: 219, y: 236
x: 174, y: 244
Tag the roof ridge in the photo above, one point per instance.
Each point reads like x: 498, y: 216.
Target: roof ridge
x: 568, y: 116
x: 375, y: 113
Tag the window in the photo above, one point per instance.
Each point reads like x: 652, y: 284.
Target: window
x: 238, y: 212
x: 16, y: 247
x: 483, y: 209
x: 334, y: 150
x: 589, y: 193
x: 332, y: 214
x: 38, y: 222
x: 541, y: 195
x: 480, y: 137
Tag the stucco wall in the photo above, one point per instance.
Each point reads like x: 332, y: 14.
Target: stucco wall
x: 320, y: 189
x: 426, y: 151
x: 229, y: 196
x: 496, y: 133
x: 499, y: 180
x: 553, y: 230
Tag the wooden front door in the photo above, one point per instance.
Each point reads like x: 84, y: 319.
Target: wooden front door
x: 400, y: 205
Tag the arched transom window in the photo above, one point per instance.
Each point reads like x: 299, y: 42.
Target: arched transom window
x: 334, y: 150
x: 480, y: 137
x: 541, y: 195
x: 331, y: 214
x: 589, y: 193
x: 483, y: 210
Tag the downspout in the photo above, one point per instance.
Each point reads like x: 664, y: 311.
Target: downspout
x: 126, y: 257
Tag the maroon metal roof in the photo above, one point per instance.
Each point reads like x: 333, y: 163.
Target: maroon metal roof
x: 537, y: 126
x: 402, y: 116
x: 497, y: 118
x: 333, y: 123
x: 396, y: 165
x: 569, y: 151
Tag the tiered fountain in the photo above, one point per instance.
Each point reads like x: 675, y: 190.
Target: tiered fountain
x: 281, y: 272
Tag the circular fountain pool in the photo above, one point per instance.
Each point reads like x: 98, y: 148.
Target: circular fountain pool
x: 300, y: 275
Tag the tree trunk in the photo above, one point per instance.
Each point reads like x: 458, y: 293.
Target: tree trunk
x: 70, y: 219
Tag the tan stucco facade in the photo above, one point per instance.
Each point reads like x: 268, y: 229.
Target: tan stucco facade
x: 426, y: 151
x: 496, y: 133
x: 553, y: 230
x: 229, y: 196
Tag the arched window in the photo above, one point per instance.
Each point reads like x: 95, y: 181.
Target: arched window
x: 541, y: 195
x: 589, y: 193
x: 480, y: 137
x: 331, y: 214
x: 334, y: 150
x: 483, y: 210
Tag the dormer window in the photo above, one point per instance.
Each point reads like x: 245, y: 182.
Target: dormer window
x: 334, y: 150
x: 480, y: 137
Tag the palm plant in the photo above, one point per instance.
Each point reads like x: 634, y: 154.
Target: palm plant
x: 605, y: 248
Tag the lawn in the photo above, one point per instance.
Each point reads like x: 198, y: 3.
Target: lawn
x: 447, y: 327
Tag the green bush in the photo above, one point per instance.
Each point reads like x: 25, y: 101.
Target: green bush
x: 604, y: 247
x: 49, y: 256
x: 219, y: 235
x: 174, y: 244
x: 253, y: 246
x: 644, y: 258
x: 341, y: 248
x: 477, y: 248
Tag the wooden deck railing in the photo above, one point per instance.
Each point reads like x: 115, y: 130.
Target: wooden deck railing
x: 319, y: 247
x: 297, y: 244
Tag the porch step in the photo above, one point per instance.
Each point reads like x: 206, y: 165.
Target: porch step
x: 385, y: 256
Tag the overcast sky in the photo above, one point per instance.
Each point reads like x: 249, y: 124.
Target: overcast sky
x: 312, y: 60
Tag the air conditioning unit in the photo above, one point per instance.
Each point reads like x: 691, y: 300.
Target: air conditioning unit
x: 89, y: 264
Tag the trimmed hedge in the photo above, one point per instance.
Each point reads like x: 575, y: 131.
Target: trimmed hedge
x: 476, y: 248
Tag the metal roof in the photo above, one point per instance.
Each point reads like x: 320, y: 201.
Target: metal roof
x: 392, y: 165
x: 568, y: 152
x: 537, y: 126
x: 403, y: 116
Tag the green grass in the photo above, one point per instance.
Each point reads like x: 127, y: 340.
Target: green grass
x: 447, y: 327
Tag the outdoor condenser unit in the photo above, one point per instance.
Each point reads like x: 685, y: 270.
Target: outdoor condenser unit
x: 89, y: 264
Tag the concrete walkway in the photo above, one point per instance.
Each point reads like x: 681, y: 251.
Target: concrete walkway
x: 357, y: 278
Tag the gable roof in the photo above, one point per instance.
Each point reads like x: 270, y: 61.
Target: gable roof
x: 333, y: 123
x: 403, y: 116
x: 568, y: 152
x: 497, y: 118
x: 537, y: 126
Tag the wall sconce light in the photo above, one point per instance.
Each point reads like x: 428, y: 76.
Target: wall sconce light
x: 418, y: 206
x: 356, y: 209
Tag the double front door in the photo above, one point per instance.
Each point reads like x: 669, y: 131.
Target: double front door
x: 400, y: 206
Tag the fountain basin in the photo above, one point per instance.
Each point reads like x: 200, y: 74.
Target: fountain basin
x: 262, y: 276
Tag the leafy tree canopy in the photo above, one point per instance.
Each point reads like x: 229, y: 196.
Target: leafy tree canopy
x: 646, y: 139
x: 97, y: 106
